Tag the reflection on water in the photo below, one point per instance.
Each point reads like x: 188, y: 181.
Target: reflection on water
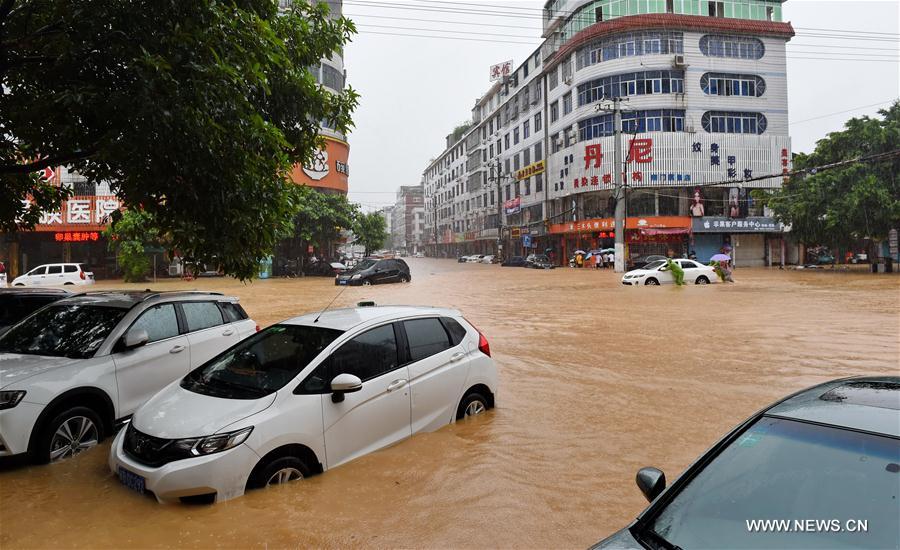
x: 597, y: 379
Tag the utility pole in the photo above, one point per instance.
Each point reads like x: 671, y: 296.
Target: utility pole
x: 497, y: 179
x: 619, y: 175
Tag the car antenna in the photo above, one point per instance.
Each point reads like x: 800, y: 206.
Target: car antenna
x: 316, y: 320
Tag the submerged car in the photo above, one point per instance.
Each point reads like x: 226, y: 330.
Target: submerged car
x: 540, y: 261
x: 304, y: 396
x: 375, y: 272
x: 55, y: 274
x: 515, y: 261
x: 818, y: 469
x: 656, y: 273
x: 75, y: 368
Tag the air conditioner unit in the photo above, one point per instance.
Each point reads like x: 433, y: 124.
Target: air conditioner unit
x: 678, y: 61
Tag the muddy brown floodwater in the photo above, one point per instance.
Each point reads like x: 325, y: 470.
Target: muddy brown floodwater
x: 597, y: 380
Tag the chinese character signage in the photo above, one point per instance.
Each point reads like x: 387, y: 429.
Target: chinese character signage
x: 81, y: 214
x: 721, y: 224
x: 677, y: 159
x: 513, y: 206
x: 501, y: 70
x: 532, y: 169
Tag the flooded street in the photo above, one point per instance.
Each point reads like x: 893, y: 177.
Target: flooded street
x: 597, y: 380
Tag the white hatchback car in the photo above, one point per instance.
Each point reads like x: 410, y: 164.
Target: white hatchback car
x: 656, y: 273
x: 55, y: 274
x: 304, y: 396
x: 72, y: 369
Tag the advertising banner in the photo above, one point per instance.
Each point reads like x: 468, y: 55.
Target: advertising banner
x: 718, y: 224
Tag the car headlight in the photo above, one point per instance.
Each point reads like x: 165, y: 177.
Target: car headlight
x: 199, y: 446
x: 10, y: 398
x: 357, y: 276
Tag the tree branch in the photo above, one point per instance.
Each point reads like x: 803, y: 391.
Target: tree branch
x: 45, y: 162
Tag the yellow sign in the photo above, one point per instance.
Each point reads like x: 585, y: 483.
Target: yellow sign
x: 532, y: 169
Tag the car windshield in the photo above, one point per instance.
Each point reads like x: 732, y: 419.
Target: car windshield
x: 364, y: 264
x: 74, y: 331
x: 654, y: 265
x: 261, y: 364
x: 787, y: 473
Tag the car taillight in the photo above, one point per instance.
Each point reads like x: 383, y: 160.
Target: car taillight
x: 483, y: 345
x: 257, y: 328
x: 81, y: 274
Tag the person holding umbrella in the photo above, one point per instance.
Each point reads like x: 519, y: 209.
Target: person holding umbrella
x: 722, y: 265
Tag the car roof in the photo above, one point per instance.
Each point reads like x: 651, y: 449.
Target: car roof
x: 347, y: 318
x: 869, y: 404
x: 34, y: 291
x: 129, y: 298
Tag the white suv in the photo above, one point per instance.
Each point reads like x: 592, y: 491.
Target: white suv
x: 55, y: 274
x: 75, y: 367
x: 303, y: 396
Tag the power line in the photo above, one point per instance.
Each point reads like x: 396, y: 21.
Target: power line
x: 845, y: 111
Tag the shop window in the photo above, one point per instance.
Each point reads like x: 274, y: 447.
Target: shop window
x: 669, y: 203
x: 642, y: 203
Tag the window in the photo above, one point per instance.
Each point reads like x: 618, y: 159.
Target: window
x: 160, y: 322
x: 567, y: 103
x: 555, y: 143
x: 69, y: 268
x: 627, y: 45
x: 515, y: 136
x: 670, y: 6
x: 506, y: 141
x: 554, y: 112
x: 553, y: 79
x: 770, y: 13
x: 332, y: 77
x: 728, y: 84
x: 716, y: 9
x: 54, y: 270
x: 526, y: 129
x: 539, y: 183
x: 537, y: 122
x: 456, y: 331
x: 737, y: 47
x: 369, y: 355
x: 526, y: 156
x: 426, y: 337
x: 626, y: 84
x: 658, y: 120
x: 729, y: 122
x: 538, y: 153
x: 201, y: 315
x: 598, y: 14
x: 74, y: 331
x: 233, y: 312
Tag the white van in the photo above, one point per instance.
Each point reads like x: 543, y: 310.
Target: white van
x: 55, y: 274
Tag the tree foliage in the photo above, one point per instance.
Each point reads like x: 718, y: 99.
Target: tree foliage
x: 322, y: 216
x: 194, y: 111
x: 861, y: 200
x: 129, y: 236
x: 371, y: 231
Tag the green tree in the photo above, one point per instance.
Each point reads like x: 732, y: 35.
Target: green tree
x: 193, y: 111
x: 322, y: 216
x: 834, y: 207
x: 370, y: 230
x: 129, y: 236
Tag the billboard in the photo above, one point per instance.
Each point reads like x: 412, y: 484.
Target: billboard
x: 329, y: 168
x: 501, y: 70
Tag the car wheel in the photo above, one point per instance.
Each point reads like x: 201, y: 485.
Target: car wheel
x: 69, y: 433
x: 367, y: 283
x: 702, y: 280
x: 652, y: 282
x: 404, y: 279
x: 472, y: 404
x: 279, y: 471
x: 67, y: 284
x: 19, y: 284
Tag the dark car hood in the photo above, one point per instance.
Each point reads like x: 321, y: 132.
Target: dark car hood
x: 621, y: 540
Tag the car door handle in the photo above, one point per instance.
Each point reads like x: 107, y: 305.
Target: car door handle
x: 177, y: 349
x: 396, y: 384
x: 228, y: 332
x: 457, y: 356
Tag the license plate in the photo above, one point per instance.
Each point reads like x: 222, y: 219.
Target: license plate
x: 342, y: 282
x: 131, y: 480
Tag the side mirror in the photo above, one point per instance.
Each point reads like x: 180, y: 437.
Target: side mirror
x: 344, y: 383
x: 651, y: 482
x: 135, y: 338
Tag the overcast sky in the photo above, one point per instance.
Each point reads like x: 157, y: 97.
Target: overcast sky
x: 415, y: 90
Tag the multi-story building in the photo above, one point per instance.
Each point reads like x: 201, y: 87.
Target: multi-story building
x: 702, y: 89
x: 388, y: 214
x: 408, y: 219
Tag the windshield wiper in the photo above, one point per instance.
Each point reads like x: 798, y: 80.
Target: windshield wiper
x: 657, y: 540
x: 234, y: 385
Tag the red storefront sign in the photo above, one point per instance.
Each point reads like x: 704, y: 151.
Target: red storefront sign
x: 76, y: 236
x: 609, y: 224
